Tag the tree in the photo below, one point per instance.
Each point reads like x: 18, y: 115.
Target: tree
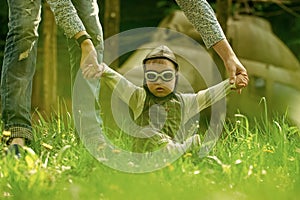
x: 112, y: 24
x: 223, y: 12
x: 45, y: 87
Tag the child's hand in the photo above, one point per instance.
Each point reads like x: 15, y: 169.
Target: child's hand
x: 241, y: 81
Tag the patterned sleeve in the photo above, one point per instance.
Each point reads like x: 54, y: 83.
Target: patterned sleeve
x: 202, y: 16
x: 66, y: 16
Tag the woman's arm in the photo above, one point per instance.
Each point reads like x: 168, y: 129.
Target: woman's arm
x: 66, y: 17
x: 203, y: 18
x: 233, y: 66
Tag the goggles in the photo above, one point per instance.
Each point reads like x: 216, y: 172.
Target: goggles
x: 153, y: 76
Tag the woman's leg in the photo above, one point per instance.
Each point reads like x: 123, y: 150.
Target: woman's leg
x: 19, y: 66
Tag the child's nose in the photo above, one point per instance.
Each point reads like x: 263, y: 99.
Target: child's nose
x: 159, y: 80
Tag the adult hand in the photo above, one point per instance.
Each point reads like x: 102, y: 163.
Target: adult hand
x: 232, y: 64
x: 237, y: 73
x: 89, y: 62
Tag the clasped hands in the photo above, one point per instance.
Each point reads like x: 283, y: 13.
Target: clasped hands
x: 89, y: 64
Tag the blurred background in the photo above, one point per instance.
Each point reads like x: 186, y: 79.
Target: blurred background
x: 265, y: 34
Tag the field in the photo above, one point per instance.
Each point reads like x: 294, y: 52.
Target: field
x: 250, y: 161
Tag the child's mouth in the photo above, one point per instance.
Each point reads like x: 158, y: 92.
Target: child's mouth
x: 159, y: 89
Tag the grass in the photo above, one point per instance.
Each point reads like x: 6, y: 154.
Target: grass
x: 250, y: 161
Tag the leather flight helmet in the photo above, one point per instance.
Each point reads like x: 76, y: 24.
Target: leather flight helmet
x: 162, y: 52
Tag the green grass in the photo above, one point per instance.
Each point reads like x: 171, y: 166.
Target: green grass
x: 250, y: 161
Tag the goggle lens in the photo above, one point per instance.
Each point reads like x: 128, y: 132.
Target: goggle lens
x: 153, y: 76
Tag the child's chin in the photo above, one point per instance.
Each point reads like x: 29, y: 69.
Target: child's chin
x: 160, y: 94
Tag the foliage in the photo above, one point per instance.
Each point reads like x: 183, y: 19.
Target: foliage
x: 250, y: 161
x: 282, y: 17
x: 168, y: 6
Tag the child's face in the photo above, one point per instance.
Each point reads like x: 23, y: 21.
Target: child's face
x: 160, y: 75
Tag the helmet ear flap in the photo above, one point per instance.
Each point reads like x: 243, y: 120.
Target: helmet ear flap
x: 144, y: 78
x: 176, y: 82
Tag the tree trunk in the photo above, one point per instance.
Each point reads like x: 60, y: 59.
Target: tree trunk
x: 223, y: 12
x: 50, y: 60
x: 112, y: 27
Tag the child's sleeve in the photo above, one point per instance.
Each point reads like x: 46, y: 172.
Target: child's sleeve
x: 123, y: 88
x: 196, y: 102
x: 211, y: 95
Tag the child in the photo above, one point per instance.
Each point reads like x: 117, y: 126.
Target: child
x: 157, y: 108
